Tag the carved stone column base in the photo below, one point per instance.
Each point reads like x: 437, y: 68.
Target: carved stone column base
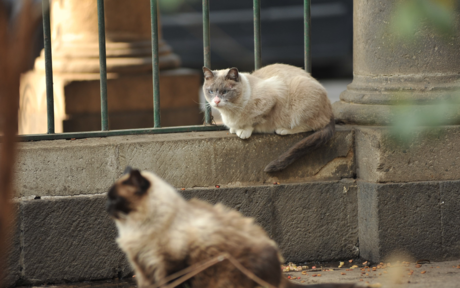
x: 130, y: 101
x: 75, y: 49
x: 389, y: 70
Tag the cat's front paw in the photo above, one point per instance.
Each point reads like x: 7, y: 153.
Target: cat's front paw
x: 282, y: 131
x: 244, y: 133
x: 233, y: 131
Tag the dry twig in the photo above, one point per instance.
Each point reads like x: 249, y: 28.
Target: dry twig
x: 193, y: 270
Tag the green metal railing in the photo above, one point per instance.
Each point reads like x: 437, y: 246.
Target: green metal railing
x: 102, y: 65
x: 157, y: 129
x: 48, y: 65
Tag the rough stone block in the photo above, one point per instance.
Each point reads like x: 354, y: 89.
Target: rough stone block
x: 450, y: 208
x: 13, y: 268
x: 420, y: 219
x: 310, y: 221
x: 186, y: 160
x: 65, y: 168
x: 69, y: 239
x: 316, y: 221
x: 206, y: 159
x: 433, y: 156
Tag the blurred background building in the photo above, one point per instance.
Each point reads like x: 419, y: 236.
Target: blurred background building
x: 232, y: 45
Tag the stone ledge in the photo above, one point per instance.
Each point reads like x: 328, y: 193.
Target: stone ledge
x: 75, y: 239
x: 433, y: 156
x: 72, y: 241
x: 186, y: 160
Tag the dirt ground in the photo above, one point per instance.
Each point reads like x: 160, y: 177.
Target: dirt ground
x: 396, y: 275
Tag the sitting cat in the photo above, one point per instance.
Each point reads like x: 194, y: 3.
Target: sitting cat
x: 162, y: 233
x: 277, y: 98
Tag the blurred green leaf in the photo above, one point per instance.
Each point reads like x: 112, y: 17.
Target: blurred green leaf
x: 410, y: 15
x: 406, y: 19
x: 409, y: 116
x: 439, y: 15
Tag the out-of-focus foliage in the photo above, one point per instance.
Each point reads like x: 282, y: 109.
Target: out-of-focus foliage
x: 406, y: 22
x: 410, y: 15
x: 408, y: 116
x: 168, y: 6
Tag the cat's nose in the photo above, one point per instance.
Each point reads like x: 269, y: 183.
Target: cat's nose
x: 216, y: 100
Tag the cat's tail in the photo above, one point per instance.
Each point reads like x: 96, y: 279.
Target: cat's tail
x: 288, y: 284
x: 315, y: 140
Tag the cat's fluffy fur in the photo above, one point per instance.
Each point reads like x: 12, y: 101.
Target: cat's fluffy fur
x: 277, y: 98
x: 161, y: 233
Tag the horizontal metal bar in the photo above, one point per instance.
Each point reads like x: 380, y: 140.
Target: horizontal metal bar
x: 92, y: 134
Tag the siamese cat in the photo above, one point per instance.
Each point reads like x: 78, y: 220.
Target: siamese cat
x: 277, y: 98
x: 162, y: 233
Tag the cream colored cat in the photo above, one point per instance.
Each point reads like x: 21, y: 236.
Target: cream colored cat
x: 162, y: 233
x: 277, y: 98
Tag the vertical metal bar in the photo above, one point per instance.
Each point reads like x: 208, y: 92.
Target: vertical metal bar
x: 102, y: 64
x: 307, y: 34
x: 207, y: 53
x: 48, y: 65
x: 155, y: 64
x: 257, y: 38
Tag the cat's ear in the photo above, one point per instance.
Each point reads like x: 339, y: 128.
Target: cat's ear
x: 128, y: 169
x: 232, y: 74
x: 138, y: 181
x: 207, y: 73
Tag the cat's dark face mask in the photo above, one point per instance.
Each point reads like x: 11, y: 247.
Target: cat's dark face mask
x: 222, y: 91
x: 126, y: 193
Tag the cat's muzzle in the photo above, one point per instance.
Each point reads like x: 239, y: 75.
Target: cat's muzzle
x: 116, y: 204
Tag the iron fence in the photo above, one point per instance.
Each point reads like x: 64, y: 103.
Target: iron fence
x: 157, y: 129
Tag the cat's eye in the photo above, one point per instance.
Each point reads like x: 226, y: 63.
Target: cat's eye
x: 224, y: 92
x: 210, y: 91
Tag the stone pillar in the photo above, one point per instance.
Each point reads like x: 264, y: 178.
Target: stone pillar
x: 388, y: 70
x: 406, y: 194
x: 129, y: 66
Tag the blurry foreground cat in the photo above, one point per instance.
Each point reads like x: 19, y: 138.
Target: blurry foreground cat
x: 276, y: 98
x: 162, y: 233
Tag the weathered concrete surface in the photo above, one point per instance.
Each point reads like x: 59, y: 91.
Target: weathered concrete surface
x: 434, y: 155
x: 317, y: 221
x: 69, y: 239
x: 416, y: 218
x: 450, y: 216
x: 13, y: 269
x: 198, y: 159
x: 310, y: 221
